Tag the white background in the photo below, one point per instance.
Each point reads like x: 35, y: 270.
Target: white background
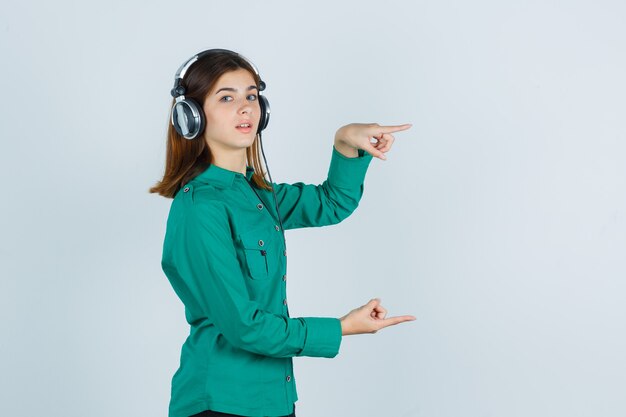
x: 499, y: 219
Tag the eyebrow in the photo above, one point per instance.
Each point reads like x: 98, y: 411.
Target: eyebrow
x: 252, y: 87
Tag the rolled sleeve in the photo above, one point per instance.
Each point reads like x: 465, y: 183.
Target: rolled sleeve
x: 323, y: 337
x: 348, y: 172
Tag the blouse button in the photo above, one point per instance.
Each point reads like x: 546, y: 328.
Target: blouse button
x: 285, y: 253
x: 277, y: 227
x: 186, y: 189
x: 285, y: 278
x: 285, y: 301
x: 259, y: 206
x: 288, y: 378
x: 261, y: 243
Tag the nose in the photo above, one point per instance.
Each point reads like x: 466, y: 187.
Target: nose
x: 246, y: 108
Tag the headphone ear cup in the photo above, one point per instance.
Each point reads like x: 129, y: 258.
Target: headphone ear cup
x: 188, y: 118
x: 264, y: 104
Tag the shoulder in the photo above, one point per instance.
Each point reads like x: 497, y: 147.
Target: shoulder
x: 198, y: 204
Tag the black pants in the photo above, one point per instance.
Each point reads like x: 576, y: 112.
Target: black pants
x: 209, y: 413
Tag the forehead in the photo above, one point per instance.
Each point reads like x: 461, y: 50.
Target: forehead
x: 239, y: 78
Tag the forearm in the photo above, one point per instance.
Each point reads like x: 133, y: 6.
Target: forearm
x: 272, y: 335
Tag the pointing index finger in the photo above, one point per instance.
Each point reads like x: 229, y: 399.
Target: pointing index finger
x: 395, y: 128
x: 396, y: 320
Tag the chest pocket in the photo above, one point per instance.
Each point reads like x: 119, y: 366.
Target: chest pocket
x: 259, y: 249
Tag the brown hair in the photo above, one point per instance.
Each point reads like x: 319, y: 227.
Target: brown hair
x: 185, y: 159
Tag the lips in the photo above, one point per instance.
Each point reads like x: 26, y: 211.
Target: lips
x: 244, y: 126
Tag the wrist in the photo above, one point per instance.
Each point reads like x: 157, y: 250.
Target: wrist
x: 345, y: 149
x: 344, y: 327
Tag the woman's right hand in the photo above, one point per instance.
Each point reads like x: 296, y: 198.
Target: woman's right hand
x: 369, y: 318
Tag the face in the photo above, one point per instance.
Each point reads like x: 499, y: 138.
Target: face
x: 232, y: 112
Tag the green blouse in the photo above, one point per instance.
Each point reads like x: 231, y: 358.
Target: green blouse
x: 225, y: 256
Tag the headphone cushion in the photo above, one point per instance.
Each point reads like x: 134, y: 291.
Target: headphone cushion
x: 188, y: 118
x: 265, y: 113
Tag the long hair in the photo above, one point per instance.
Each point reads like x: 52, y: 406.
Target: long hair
x: 185, y: 159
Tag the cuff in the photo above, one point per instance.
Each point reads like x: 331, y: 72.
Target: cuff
x: 323, y: 337
x: 348, y: 172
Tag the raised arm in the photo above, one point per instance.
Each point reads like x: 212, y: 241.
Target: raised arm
x: 308, y: 205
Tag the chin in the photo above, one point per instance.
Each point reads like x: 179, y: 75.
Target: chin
x: 250, y: 141
x: 241, y: 143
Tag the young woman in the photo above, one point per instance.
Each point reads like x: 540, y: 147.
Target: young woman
x: 225, y: 251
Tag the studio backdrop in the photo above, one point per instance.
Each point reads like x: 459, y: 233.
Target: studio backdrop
x: 498, y: 219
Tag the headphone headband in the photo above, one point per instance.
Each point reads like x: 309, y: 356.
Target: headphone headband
x: 183, y: 68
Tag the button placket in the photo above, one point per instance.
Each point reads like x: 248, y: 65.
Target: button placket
x: 260, y: 206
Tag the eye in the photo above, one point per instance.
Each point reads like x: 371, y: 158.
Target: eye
x: 226, y: 98
x: 252, y: 97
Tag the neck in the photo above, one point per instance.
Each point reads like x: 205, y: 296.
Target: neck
x: 233, y: 160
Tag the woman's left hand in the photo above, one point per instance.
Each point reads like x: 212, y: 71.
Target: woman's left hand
x: 358, y: 136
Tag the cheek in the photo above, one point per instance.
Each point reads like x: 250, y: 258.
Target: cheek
x: 215, y: 127
x: 257, y: 112
x: 214, y: 118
